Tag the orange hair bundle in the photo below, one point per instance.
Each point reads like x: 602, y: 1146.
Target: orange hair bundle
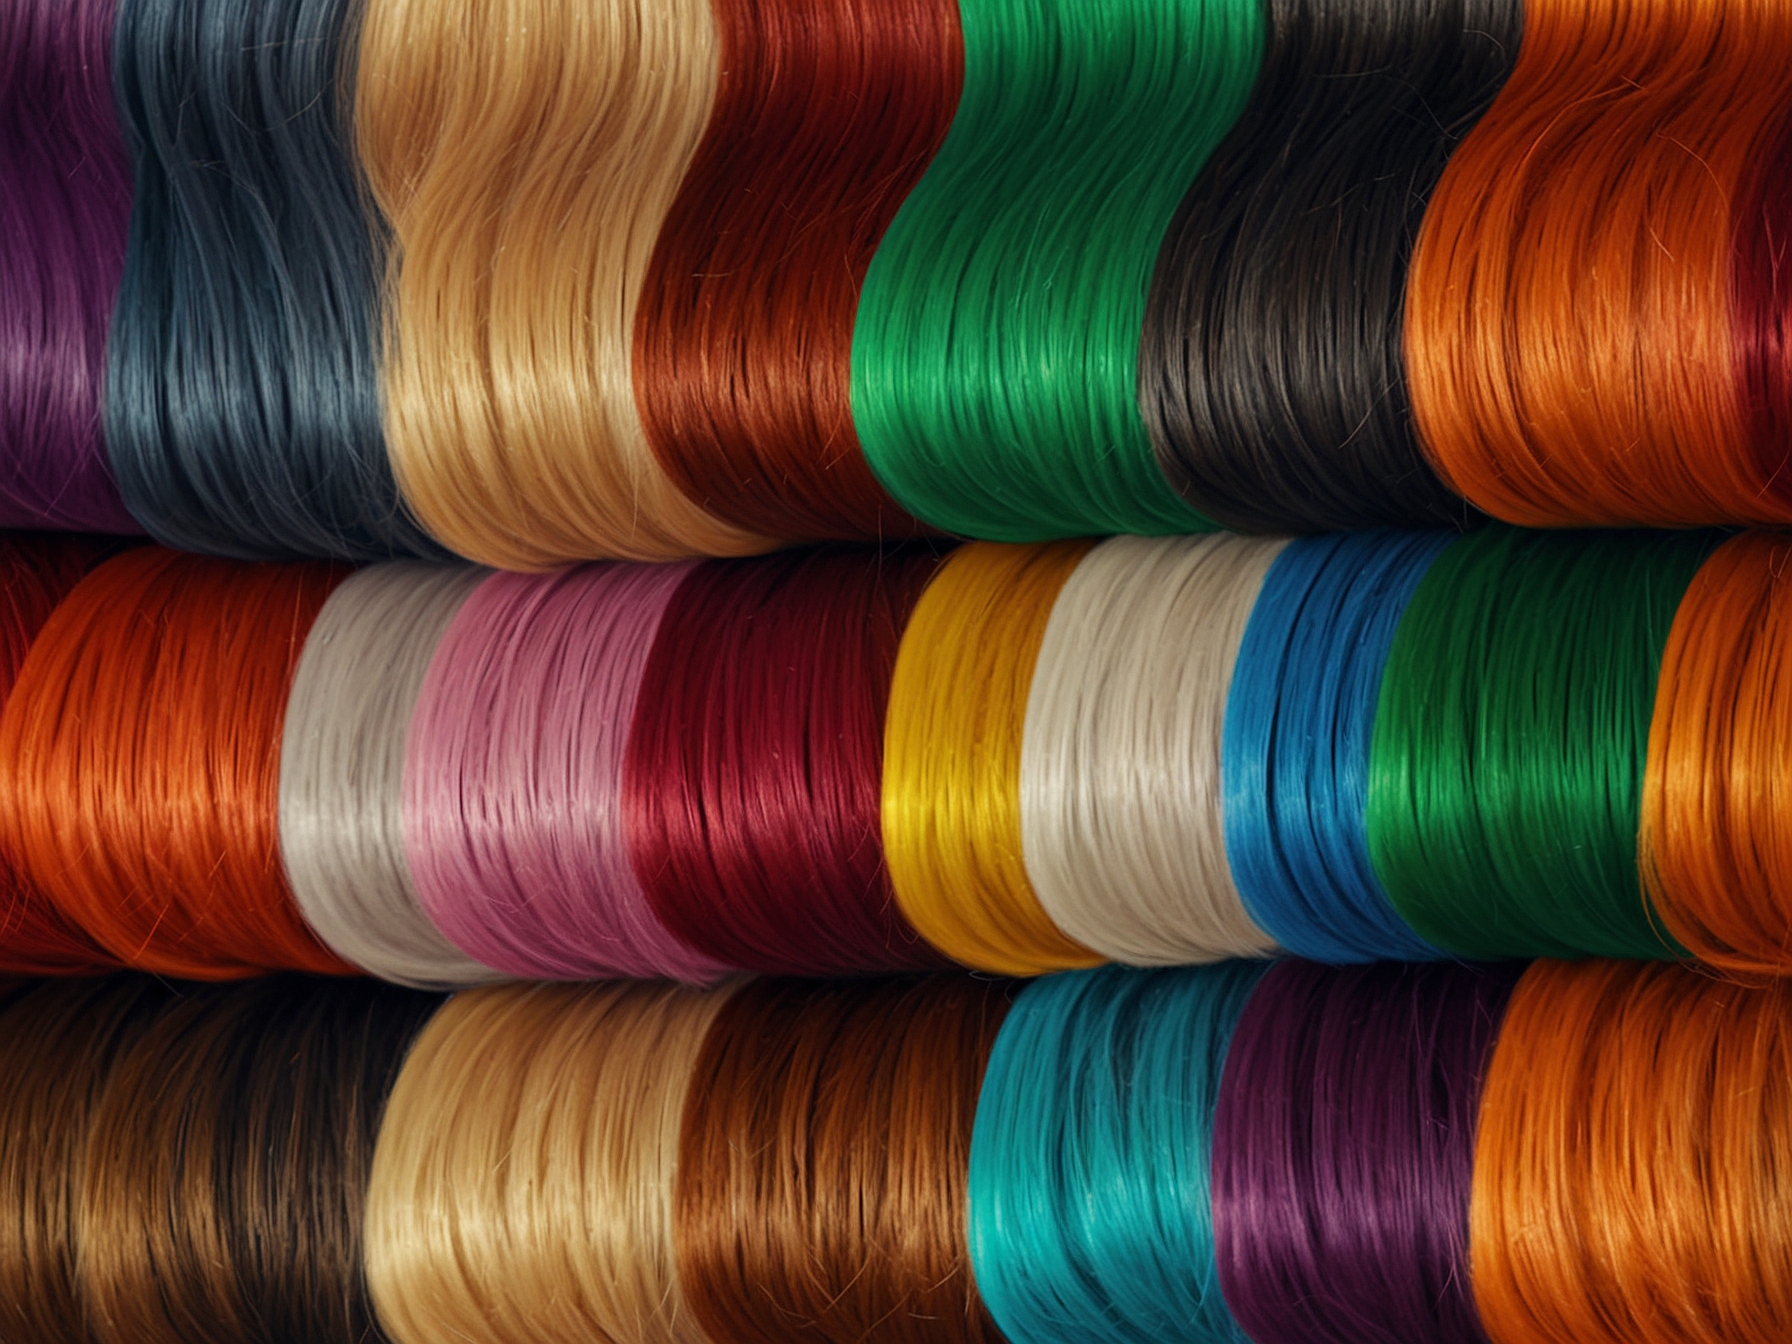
x: 1716, y: 845
x: 35, y: 574
x: 1633, y: 1170
x: 140, y: 761
x: 1569, y: 337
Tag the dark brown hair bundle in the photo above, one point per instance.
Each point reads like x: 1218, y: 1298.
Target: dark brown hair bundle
x: 820, y: 1193
x: 227, y: 1164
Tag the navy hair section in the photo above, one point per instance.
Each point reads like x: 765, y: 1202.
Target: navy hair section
x: 242, y: 397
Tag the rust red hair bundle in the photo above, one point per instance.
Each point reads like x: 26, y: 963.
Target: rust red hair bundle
x: 140, y: 761
x: 753, y: 778
x: 827, y: 114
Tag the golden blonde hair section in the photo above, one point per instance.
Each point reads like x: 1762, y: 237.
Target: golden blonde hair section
x: 525, y: 154
x: 952, y: 750
x: 523, y: 1181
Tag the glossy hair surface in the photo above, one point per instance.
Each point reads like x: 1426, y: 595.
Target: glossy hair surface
x: 59, y: 1045
x: 525, y: 154
x: 1105, y: 1081
x: 522, y: 1188
x: 342, y: 770
x: 1507, y: 761
x: 1270, y: 372
x: 820, y: 1191
x: 514, y: 826
x: 1343, y: 1150
x: 952, y: 758
x: 1633, y: 1160
x: 227, y: 1165
x: 995, y: 355
x: 1120, y: 800
x: 141, y: 761
x: 242, y: 407
x: 65, y: 204
x: 826, y: 115
x: 1294, y: 763
x: 1571, y: 346
x: 752, y: 784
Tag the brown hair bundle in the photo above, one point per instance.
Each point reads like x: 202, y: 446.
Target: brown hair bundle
x: 227, y: 1162
x: 822, y: 1166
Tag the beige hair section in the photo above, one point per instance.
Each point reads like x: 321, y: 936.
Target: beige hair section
x: 342, y: 770
x: 1120, y: 794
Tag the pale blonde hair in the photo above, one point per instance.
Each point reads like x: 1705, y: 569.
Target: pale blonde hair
x: 525, y: 154
x: 522, y: 1185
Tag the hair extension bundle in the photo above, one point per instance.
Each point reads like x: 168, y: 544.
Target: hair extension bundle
x: 1343, y: 1149
x: 821, y: 1168
x: 1634, y: 1163
x: 1506, y: 766
x: 522, y: 1191
x: 242, y: 411
x: 1104, y: 1081
x: 995, y: 356
x: 514, y: 826
x: 1294, y: 765
x: 65, y: 203
x: 526, y: 153
x: 1270, y: 373
x: 342, y: 770
x: 36, y: 573
x: 1570, y: 339
x: 227, y: 1165
x: 1716, y: 847
x: 753, y: 775
x: 1120, y: 799
x: 140, y: 758
x: 58, y: 1046
x: 826, y: 115
x: 952, y: 758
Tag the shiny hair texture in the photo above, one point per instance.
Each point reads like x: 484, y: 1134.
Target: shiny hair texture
x: 241, y: 401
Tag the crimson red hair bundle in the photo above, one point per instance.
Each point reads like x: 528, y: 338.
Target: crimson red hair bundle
x: 826, y: 115
x: 753, y: 780
x: 140, y: 760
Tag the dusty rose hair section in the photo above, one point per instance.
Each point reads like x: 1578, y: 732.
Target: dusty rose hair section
x: 826, y: 114
x: 752, y: 788
x: 512, y: 795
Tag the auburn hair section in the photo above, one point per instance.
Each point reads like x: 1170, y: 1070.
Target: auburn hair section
x: 825, y: 116
x: 227, y: 1164
x: 140, y: 761
x: 820, y: 1188
x: 522, y: 1189
x: 1571, y: 342
x: 752, y: 785
x: 1633, y: 1160
x: 525, y: 154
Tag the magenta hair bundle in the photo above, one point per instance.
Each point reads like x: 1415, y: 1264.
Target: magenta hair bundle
x: 65, y: 204
x: 513, y: 825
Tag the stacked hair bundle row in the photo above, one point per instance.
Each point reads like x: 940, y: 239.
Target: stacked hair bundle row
x: 536, y: 281
x: 1403, y: 746
x: 1590, y: 1151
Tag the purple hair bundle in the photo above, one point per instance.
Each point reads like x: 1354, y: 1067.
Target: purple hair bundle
x: 65, y: 203
x: 1343, y: 1148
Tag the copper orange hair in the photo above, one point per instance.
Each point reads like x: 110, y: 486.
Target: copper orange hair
x: 1716, y: 845
x: 1569, y: 336
x: 140, y: 760
x: 1633, y: 1169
